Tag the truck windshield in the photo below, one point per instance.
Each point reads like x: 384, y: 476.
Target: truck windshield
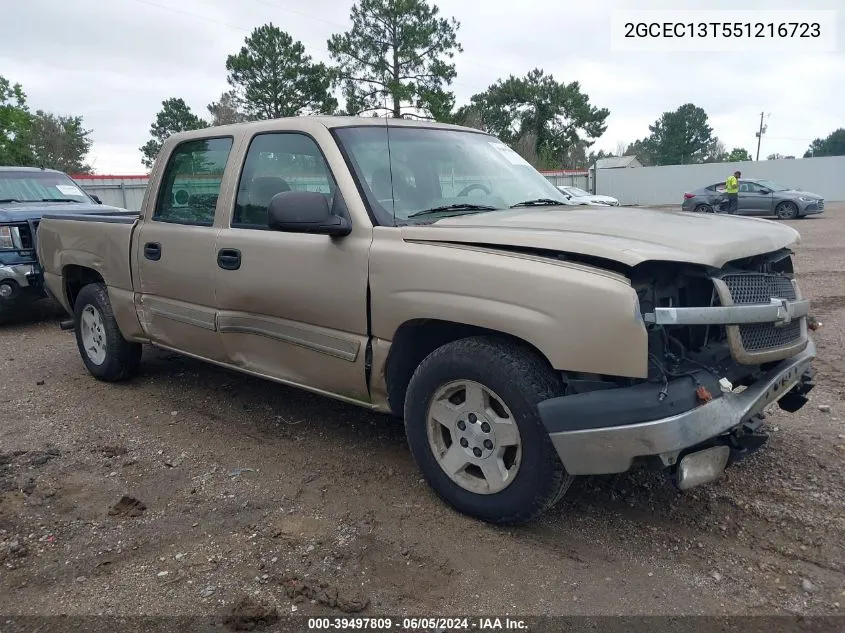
x: 414, y: 175
x: 39, y: 186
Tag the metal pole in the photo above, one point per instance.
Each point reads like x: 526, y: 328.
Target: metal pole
x: 760, y: 135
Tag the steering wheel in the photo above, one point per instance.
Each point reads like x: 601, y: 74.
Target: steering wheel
x: 465, y: 191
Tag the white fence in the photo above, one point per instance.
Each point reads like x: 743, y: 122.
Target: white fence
x: 126, y: 192
x: 667, y: 185
x: 580, y: 179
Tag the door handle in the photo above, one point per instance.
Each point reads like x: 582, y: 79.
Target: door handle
x: 229, y: 258
x: 152, y: 251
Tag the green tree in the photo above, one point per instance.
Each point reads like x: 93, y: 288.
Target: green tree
x: 273, y: 77
x: 717, y: 153
x: 15, y: 124
x: 738, y: 154
x: 681, y: 137
x: 595, y: 156
x: 226, y: 110
x: 643, y: 151
x: 557, y: 115
x: 60, y: 142
x: 396, y: 58
x: 174, y: 116
x: 833, y: 145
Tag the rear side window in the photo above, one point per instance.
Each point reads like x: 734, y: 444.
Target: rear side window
x: 191, y: 182
x: 275, y: 163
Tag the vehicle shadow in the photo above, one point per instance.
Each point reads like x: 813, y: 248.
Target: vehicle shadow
x: 38, y: 312
x: 269, y: 408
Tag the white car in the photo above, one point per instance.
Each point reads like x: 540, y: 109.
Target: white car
x: 580, y: 196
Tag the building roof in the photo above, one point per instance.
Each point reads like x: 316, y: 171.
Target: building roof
x: 617, y: 161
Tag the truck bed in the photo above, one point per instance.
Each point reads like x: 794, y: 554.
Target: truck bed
x: 100, y: 242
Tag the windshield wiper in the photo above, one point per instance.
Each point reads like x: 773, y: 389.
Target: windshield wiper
x: 464, y: 206
x: 538, y: 202
x: 60, y: 200
x: 8, y: 200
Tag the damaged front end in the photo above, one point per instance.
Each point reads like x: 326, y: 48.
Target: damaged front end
x: 723, y: 345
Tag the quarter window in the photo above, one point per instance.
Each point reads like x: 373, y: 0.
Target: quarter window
x: 191, y: 182
x: 275, y: 163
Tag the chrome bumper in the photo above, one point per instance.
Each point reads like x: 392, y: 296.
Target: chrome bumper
x: 778, y: 311
x: 610, y: 450
x: 17, y: 273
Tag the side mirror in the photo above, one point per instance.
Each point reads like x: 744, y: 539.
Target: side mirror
x: 305, y: 212
x: 96, y: 198
x: 765, y: 192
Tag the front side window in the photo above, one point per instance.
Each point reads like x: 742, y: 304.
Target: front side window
x: 275, y: 163
x: 39, y: 186
x: 191, y: 182
x: 416, y: 175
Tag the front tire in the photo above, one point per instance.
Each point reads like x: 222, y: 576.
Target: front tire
x: 106, y: 354
x: 474, y: 430
x: 787, y: 211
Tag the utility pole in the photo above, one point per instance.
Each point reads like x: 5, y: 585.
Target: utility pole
x: 760, y: 134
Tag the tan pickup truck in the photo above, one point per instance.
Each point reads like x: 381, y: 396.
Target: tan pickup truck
x: 428, y: 271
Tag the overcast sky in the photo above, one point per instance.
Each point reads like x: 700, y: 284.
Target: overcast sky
x: 114, y: 61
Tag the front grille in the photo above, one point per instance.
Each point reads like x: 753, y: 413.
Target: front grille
x: 821, y: 204
x: 758, y: 288
x: 757, y: 337
x: 751, y: 288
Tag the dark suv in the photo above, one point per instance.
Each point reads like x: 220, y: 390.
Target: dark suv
x: 26, y: 193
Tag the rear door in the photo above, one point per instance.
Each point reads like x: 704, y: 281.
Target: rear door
x: 175, y: 251
x: 293, y: 306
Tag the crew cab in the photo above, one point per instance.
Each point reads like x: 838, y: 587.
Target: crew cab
x: 428, y: 271
x: 26, y: 193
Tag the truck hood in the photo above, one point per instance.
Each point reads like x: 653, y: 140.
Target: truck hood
x: 23, y: 211
x: 626, y: 235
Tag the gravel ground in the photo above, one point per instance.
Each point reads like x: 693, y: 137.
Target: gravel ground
x: 191, y: 488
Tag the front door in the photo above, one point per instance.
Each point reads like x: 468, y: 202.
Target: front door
x: 176, y: 256
x: 754, y: 199
x: 292, y: 306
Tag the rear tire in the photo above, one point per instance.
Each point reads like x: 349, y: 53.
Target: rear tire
x: 106, y: 354
x: 474, y: 430
x: 703, y: 208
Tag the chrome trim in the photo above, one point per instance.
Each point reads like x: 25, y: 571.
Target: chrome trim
x: 345, y: 349
x: 613, y: 449
x: 778, y: 311
x: 17, y: 273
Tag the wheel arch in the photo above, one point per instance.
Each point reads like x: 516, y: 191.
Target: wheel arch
x: 75, y: 278
x: 417, y: 338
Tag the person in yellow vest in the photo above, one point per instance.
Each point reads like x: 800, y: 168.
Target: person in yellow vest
x: 732, y: 189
